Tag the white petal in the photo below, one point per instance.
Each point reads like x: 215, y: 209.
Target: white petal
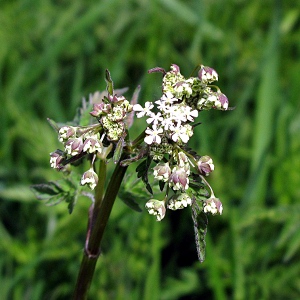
x: 148, y: 139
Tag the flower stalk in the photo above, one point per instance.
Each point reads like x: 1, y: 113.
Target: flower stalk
x: 100, y: 215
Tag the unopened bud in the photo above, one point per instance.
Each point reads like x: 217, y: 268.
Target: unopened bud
x: 156, y: 208
x: 213, y: 206
x: 205, y: 165
x: 207, y: 74
x: 66, y: 132
x: 89, y: 178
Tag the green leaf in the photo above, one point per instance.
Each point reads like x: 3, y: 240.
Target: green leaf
x: 71, y: 200
x: 119, y: 149
x: 45, y: 190
x: 53, y: 124
x: 200, y: 228
x: 142, y: 172
x: 55, y: 192
x: 128, y: 199
x: 109, y: 83
x: 56, y: 199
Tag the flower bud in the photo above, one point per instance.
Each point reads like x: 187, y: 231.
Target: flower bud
x: 179, y: 179
x: 74, y: 146
x: 100, y: 108
x: 223, y: 101
x: 213, y: 206
x: 156, y: 208
x: 207, y: 74
x: 92, y: 144
x: 205, y: 165
x: 89, y: 178
x: 66, y: 132
x: 179, y: 201
x: 175, y: 68
x: 162, y: 172
x: 115, y: 98
x: 56, y: 158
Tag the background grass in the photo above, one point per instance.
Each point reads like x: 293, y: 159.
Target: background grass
x: 53, y: 53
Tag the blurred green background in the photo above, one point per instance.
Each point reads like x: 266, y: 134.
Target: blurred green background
x: 53, y: 53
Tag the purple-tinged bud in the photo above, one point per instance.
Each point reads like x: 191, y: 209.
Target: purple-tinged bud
x: 92, y: 144
x: 156, y: 208
x: 74, y: 146
x: 66, y: 132
x: 179, y: 201
x: 89, y: 178
x: 179, y: 179
x: 207, y: 74
x: 205, y: 165
x: 223, y: 100
x: 175, y: 68
x: 115, y: 98
x: 100, y: 108
x: 213, y: 206
x: 56, y: 158
x: 162, y: 172
x: 182, y: 159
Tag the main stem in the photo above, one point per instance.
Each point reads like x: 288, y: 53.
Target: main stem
x: 101, y: 211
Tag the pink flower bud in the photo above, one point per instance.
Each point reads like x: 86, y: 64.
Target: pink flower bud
x: 223, y: 100
x: 89, y: 178
x: 162, y: 172
x: 92, y: 144
x: 56, y: 158
x: 207, y: 74
x: 213, y: 206
x: 66, y: 132
x: 74, y: 146
x: 205, y: 165
x: 179, y: 179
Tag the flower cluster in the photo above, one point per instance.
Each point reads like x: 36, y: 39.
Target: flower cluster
x: 179, y: 105
x: 108, y: 126
x: 170, y: 126
x: 111, y: 113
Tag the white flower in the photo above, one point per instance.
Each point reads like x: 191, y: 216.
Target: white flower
x: 156, y: 208
x: 190, y: 114
x: 143, y: 111
x: 155, y: 118
x: 92, y: 144
x: 212, y: 98
x: 213, y: 206
x: 168, y: 98
x: 179, y: 202
x: 153, y: 135
x: 90, y: 178
x: 166, y: 123
x: 179, y: 132
x: 161, y: 105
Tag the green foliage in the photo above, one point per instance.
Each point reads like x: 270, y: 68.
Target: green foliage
x: 200, y: 228
x: 55, y: 192
x: 56, y: 52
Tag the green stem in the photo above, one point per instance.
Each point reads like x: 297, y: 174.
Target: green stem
x: 101, y: 212
x: 138, y: 140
